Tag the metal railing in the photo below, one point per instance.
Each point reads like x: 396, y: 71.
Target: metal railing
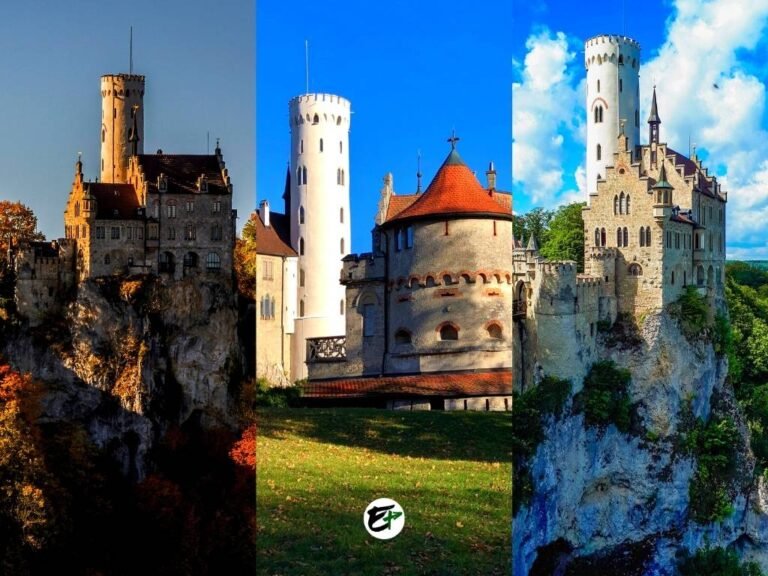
x: 329, y: 349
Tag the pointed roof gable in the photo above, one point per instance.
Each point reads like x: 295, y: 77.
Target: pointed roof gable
x: 453, y: 191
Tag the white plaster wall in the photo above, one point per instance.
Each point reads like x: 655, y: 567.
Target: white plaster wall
x: 119, y: 93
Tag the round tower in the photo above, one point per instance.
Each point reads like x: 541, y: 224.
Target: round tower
x: 319, y: 215
x: 613, y: 99
x: 122, y: 98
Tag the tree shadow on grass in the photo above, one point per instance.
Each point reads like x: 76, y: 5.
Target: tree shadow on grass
x: 471, y: 436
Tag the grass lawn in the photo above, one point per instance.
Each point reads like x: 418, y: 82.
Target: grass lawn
x: 317, y: 470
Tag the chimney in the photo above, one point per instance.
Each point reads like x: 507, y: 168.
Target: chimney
x: 491, y: 175
x: 264, y: 211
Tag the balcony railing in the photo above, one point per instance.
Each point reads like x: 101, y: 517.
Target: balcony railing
x: 330, y: 349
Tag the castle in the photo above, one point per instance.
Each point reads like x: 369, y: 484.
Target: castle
x: 165, y: 214
x: 450, y: 311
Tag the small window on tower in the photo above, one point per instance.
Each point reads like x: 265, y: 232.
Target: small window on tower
x: 341, y: 147
x: 301, y: 279
x: 321, y: 144
x: 599, y: 151
x: 341, y: 215
x: 301, y: 246
x: 598, y: 86
x: 301, y: 214
x: 621, y: 85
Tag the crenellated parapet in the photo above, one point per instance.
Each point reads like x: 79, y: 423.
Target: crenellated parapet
x: 363, y: 267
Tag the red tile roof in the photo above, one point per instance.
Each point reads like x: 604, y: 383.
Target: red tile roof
x: 275, y: 239
x: 399, y: 203
x: 488, y: 383
x: 453, y: 191
x: 114, y: 201
x: 683, y: 219
x: 182, y: 171
x: 689, y: 169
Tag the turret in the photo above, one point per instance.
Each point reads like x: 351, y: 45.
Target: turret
x: 319, y: 214
x: 122, y: 124
x: 613, y: 93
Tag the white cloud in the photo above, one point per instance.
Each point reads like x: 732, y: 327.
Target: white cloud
x: 545, y: 104
x: 706, y: 92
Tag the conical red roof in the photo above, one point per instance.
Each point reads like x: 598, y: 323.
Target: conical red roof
x: 453, y: 191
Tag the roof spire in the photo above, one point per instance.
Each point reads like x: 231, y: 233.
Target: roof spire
x: 453, y: 139
x: 418, y: 172
x: 654, y: 116
x: 134, y: 137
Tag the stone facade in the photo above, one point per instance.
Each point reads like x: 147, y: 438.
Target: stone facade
x: 45, y: 273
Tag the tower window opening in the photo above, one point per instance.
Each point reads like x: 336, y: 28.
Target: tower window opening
x: 597, y: 237
x: 602, y: 237
x: 626, y: 236
x: 627, y: 206
x: 301, y: 308
x: 301, y: 214
x: 341, y: 215
x: 449, y: 332
x: 341, y: 147
x: 409, y: 237
x: 618, y: 237
x: 621, y: 85
x: 598, y: 86
x: 647, y: 235
x: 341, y: 246
x: 321, y: 144
x: 304, y: 175
x: 301, y: 246
x: 302, y: 279
x: 495, y: 331
x: 615, y: 204
x: 599, y: 152
x: 316, y: 119
x: 301, y: 147
x: 635, y: 270
x: 402, y: 336
x: 642, y: 236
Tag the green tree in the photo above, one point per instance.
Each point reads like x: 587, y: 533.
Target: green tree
x: 536, y: 223
x: 565, y: 237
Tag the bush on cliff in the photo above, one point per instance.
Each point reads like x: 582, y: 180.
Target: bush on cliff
x: 605, y: 396
x: 716, y: 562
x: 691, y: 311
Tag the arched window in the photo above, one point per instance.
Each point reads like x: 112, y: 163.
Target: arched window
x: 402, y: 336
x: 494, y: 331
x: 647, y: 235
x: 301, y: 214
x: 447, y: 280
x: 321, y: 144
x: 597, y: 237
x: 599, y: 151
x: 596, y: 114
x: 621, y: 59
x: 449, y: 331
x: 602, y: 237
x: 298, y: 175
x: 341, y: 215
x: 213, y: 262
x: 642, y: 236
x: 190, y: 260
x: 626, y: 237
x: 635, y: 270
x: 316, y: 119
x: 338, y: 121
x: 615, y: 204
x: 302, y: 279
x: 103, y: 135
x: 673, y: 277
x: 600, y: 114
x: 301, y: 147
x: 622, y: 203
x: 618, y: 237
x: 301, y: 246
x: 627, y: 206
x: 304, y: 174
x: 598, y: 86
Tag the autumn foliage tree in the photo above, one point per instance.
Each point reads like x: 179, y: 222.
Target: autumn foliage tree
x: 17, y: 224
x: 245, y: 259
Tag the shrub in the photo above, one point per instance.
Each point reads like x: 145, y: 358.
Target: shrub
x: 716, y: 562
x: 712, y: 444
x: 275, y: 396
x: 691, y: 311
x: 606, y: 396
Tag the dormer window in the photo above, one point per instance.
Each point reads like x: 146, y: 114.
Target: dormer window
x: 162, y: 183
x: 202, y: 184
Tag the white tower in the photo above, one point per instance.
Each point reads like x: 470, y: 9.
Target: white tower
x: 613, y: 99
x: 122, y: 98
x: 319, y: 216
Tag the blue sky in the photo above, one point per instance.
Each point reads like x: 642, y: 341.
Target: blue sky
x: 413, y: 71
x: 199, y: 62
x: 708, y: 58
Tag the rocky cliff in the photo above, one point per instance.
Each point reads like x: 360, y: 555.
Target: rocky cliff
x: 129, y: 358
x: 608, y: 502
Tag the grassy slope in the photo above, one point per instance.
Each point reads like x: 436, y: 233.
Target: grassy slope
x: 317, y: 470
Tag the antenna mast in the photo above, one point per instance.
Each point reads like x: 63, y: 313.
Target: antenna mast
x: 130, y: 53
x: 306, y: 63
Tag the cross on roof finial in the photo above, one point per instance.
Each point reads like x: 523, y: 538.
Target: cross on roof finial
x: 453, y: 139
